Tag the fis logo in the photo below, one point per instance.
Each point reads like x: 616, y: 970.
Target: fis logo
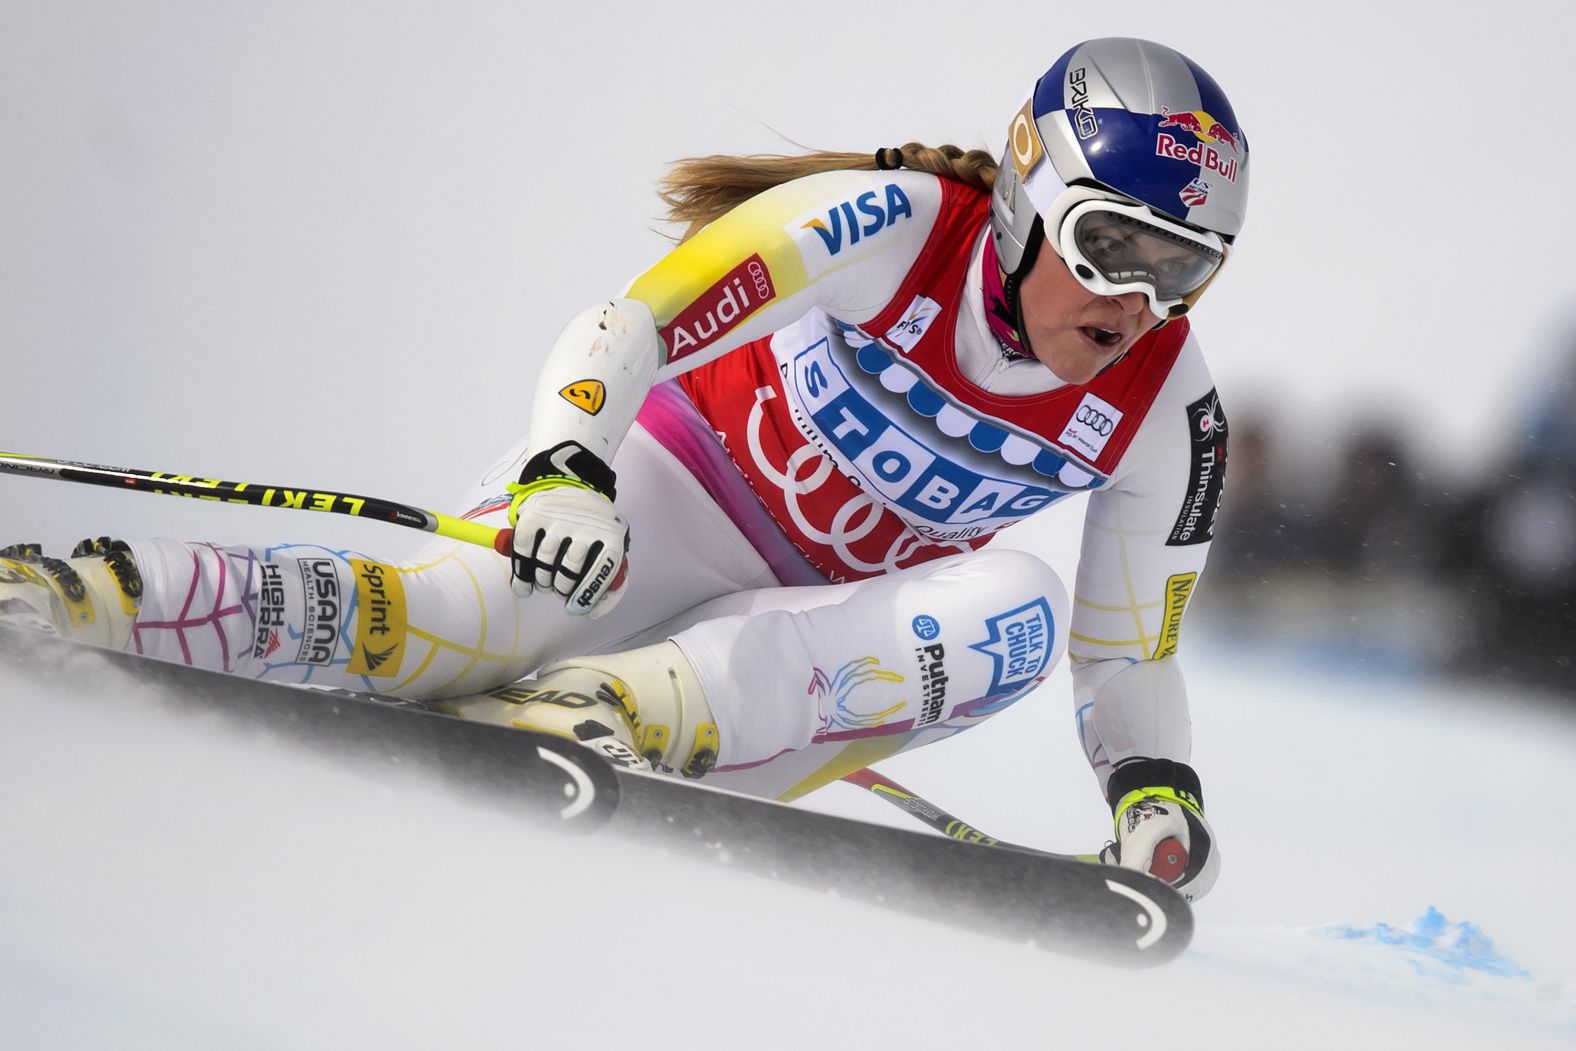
x: 381, y: 624
x: 914, y: 323
x: 848, y: 223
x: 1019, y: 646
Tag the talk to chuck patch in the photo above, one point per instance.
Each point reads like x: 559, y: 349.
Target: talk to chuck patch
x: 1206, y: 423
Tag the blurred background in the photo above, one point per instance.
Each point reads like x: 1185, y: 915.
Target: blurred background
x: 1390, y: 550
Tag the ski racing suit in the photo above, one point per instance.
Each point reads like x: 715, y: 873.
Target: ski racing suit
x: 814, y: 431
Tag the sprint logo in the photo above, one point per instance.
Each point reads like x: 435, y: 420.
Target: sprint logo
x: 376, y: 660
x: 381, y: 620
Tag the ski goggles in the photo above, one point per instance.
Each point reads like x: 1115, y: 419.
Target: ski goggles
x: 1114, y: 247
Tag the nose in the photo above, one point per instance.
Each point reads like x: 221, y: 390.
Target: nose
x: 1131, y: 302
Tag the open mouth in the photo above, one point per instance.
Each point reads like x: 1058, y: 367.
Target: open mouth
x: 1103, y: 336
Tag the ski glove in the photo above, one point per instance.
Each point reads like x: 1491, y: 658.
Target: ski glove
x: 1160, y: 825
x: 568, y: 537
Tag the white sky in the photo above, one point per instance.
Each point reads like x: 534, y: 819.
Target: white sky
x: 327, y: 244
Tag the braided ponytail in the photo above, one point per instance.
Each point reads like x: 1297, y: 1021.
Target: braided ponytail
x: 697, y: 190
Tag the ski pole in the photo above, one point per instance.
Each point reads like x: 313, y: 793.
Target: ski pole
x: 937, y: 818
x: 293, y: 496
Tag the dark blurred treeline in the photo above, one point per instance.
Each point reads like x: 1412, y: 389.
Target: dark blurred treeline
x: 1369, y: 559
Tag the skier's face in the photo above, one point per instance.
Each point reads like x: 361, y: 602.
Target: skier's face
x: 1075, y: 332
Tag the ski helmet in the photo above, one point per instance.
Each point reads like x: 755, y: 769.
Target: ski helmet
x: 1129, y: 159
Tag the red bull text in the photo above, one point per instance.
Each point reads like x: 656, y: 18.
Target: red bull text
x: 1206, y: 157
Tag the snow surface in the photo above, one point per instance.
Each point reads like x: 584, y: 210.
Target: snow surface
x: 169, y: 881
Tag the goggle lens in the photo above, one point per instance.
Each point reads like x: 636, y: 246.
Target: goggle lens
x: 1114, y: 247
x: 1126, y: 250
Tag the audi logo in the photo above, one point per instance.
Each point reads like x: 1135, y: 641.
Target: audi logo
x: 763, y: 285
x: 1095, y: 420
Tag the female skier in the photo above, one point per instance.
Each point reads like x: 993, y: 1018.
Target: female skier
x: 810, y: 415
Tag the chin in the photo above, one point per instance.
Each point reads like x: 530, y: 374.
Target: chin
x: 1077, y: 375
x: 1076, y: 366
x: 1071, y: 381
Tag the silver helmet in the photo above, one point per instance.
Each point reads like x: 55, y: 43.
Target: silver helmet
x: 1130, y: 159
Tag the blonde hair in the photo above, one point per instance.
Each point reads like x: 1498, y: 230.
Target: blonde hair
x: 700, y: 189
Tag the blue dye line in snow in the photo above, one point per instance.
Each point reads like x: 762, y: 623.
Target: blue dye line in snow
x: 1460, y: 946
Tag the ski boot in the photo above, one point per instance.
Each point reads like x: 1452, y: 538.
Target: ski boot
x: 91, y: 598
x: 642, y: 708
x: 1160, y: 825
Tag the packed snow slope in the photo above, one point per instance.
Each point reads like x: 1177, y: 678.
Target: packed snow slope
x: 170, y: 880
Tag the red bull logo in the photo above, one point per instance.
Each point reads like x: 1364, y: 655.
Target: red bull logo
x: 1219, y: 134
x: 1207, y: 128
x: 1206, y: 157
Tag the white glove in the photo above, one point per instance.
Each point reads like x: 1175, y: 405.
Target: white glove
x: 1160, y: 825
x: 568, y: 536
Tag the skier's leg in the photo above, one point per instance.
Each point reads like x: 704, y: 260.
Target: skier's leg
x: 768, y: 675
x: 593, y: 700
x: 443, y: 624
x: 914, y: 655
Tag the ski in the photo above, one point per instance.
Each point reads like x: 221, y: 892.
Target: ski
x: 1058, y: 903
x: 1100, y: 912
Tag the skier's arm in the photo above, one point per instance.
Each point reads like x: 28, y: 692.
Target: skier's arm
x: 1145, y: 542
x: 840, y: 241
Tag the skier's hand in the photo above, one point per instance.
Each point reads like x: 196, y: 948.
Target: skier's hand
x: 568, y: 536
x: 1160, y: 826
